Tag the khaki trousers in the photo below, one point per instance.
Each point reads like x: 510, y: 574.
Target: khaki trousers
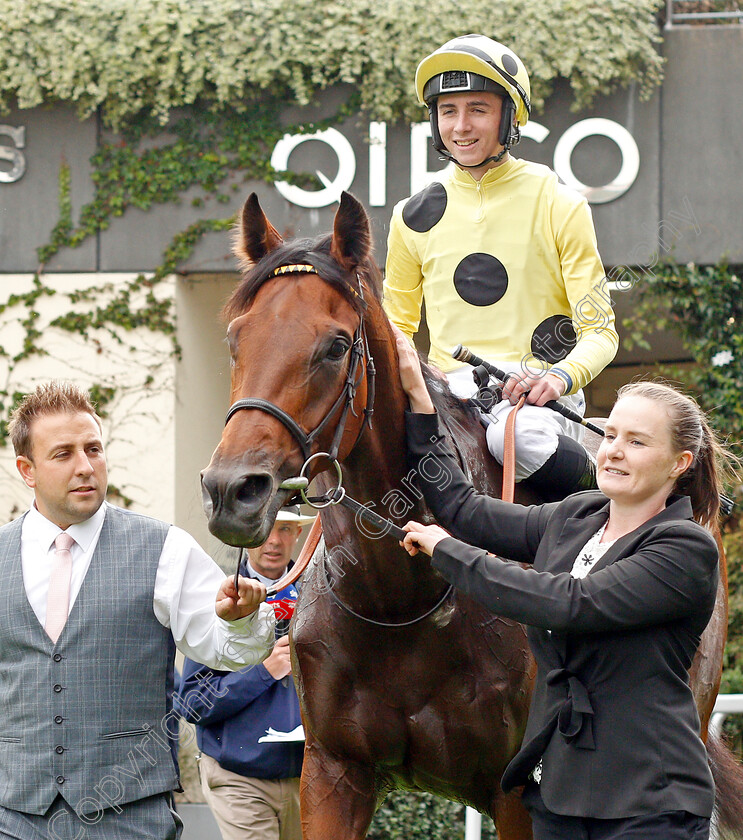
x: 250, y: 809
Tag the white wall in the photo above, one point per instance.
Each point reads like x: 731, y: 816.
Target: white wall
x: 202, y: 398
x: 139, y: 431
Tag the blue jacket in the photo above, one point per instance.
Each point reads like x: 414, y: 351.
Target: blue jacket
x: 232, y: 710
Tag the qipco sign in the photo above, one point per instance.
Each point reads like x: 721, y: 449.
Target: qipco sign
x: 421, y: 176
x: 12, y: 159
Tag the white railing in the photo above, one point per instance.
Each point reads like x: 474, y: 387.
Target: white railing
x: 675, y: 18
x: 726, y: 704
x: 472, y: 824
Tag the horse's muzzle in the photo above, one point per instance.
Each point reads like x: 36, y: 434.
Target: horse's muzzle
x: 236, y: 504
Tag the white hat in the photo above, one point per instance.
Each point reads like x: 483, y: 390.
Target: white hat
x: 292, y: 513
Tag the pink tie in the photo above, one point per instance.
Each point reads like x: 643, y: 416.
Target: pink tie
x: 58, y: 602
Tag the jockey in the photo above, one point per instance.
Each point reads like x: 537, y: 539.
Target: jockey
x: 505, y: 258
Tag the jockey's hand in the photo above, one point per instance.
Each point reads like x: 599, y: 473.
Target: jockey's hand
x: 411, y: 375
x: 540, y: 389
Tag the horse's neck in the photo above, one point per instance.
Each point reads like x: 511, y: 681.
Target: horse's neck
x: 375, y: 473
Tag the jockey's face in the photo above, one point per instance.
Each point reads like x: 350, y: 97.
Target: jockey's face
x: 469, y: 126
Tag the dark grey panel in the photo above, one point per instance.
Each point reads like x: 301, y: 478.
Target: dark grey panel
x: 142, y: 236
x: 29, y: 207
x: 623, y: 223
x: 665, y: 347
x: 620, y: 224
x: 702, y: 126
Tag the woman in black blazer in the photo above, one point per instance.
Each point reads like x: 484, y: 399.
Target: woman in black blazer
x: 621, y: 584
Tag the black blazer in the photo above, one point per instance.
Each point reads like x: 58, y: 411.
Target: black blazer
x: 612, y: 715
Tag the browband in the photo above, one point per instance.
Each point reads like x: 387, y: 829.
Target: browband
x: 297, y: 268
x: 307, y: 268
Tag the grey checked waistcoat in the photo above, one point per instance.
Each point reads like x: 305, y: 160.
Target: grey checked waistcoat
x: 87, y: 717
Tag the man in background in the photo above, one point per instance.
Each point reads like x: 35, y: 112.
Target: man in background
x: 252, y: 786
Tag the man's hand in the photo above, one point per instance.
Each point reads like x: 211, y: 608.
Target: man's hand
x: 233, y: 604
x: 540, y: 389
x: 278, y: 663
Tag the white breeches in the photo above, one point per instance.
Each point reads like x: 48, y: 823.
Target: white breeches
x: 537, y: 428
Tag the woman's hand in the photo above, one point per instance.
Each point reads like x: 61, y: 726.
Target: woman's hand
x: 422, y: 538
x: 411, y: 375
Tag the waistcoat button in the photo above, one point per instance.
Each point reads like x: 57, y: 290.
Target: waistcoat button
x: 60, y: 780
x: 59, y: 750
x: 57, y: 657
x: 57, y: 688
x: 58, y: 719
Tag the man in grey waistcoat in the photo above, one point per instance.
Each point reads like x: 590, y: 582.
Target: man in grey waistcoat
x: 93, y: 602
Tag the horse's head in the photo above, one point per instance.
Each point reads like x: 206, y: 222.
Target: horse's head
x: 299, y: 366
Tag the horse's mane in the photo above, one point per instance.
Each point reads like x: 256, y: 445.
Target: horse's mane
x: 315, y: 252
x: 444, y: 401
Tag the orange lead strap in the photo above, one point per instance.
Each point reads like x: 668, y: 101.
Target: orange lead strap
x: 509, y: 453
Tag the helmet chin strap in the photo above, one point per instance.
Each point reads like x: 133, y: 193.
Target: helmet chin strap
x: 493, y: 158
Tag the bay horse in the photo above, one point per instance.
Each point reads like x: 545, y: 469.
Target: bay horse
x: 403, y: 683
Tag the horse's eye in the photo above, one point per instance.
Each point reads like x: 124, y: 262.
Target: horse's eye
x: 338, y: 349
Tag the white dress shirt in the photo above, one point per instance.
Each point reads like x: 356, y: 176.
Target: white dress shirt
x: 186, y: 586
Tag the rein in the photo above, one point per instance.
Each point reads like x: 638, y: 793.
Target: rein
x: 336, y: 600
x: 509, y: 453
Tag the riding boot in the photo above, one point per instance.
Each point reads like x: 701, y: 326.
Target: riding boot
x: 569, y: 470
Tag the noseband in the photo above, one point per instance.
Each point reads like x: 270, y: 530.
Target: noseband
x: 361, y: 361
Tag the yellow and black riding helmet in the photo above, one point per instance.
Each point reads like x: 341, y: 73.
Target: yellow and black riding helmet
x: 476, y: 62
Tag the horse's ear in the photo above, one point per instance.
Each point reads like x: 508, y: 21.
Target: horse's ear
x: 352, y: 241
x: 255, y: 236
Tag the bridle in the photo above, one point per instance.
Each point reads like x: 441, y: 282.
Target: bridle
x: 361, y: 363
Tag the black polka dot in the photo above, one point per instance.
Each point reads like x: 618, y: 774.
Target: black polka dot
x: 481, y: 279
x: 509, y: 64
x: 423, y: 210
x: 553, y: 339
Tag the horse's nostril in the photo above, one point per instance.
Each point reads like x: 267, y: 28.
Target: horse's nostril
x: 207, y: 500
x: 253, y: 489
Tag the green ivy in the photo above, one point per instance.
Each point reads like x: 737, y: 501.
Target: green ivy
x: 703, y: 305
x: 417, y: 816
